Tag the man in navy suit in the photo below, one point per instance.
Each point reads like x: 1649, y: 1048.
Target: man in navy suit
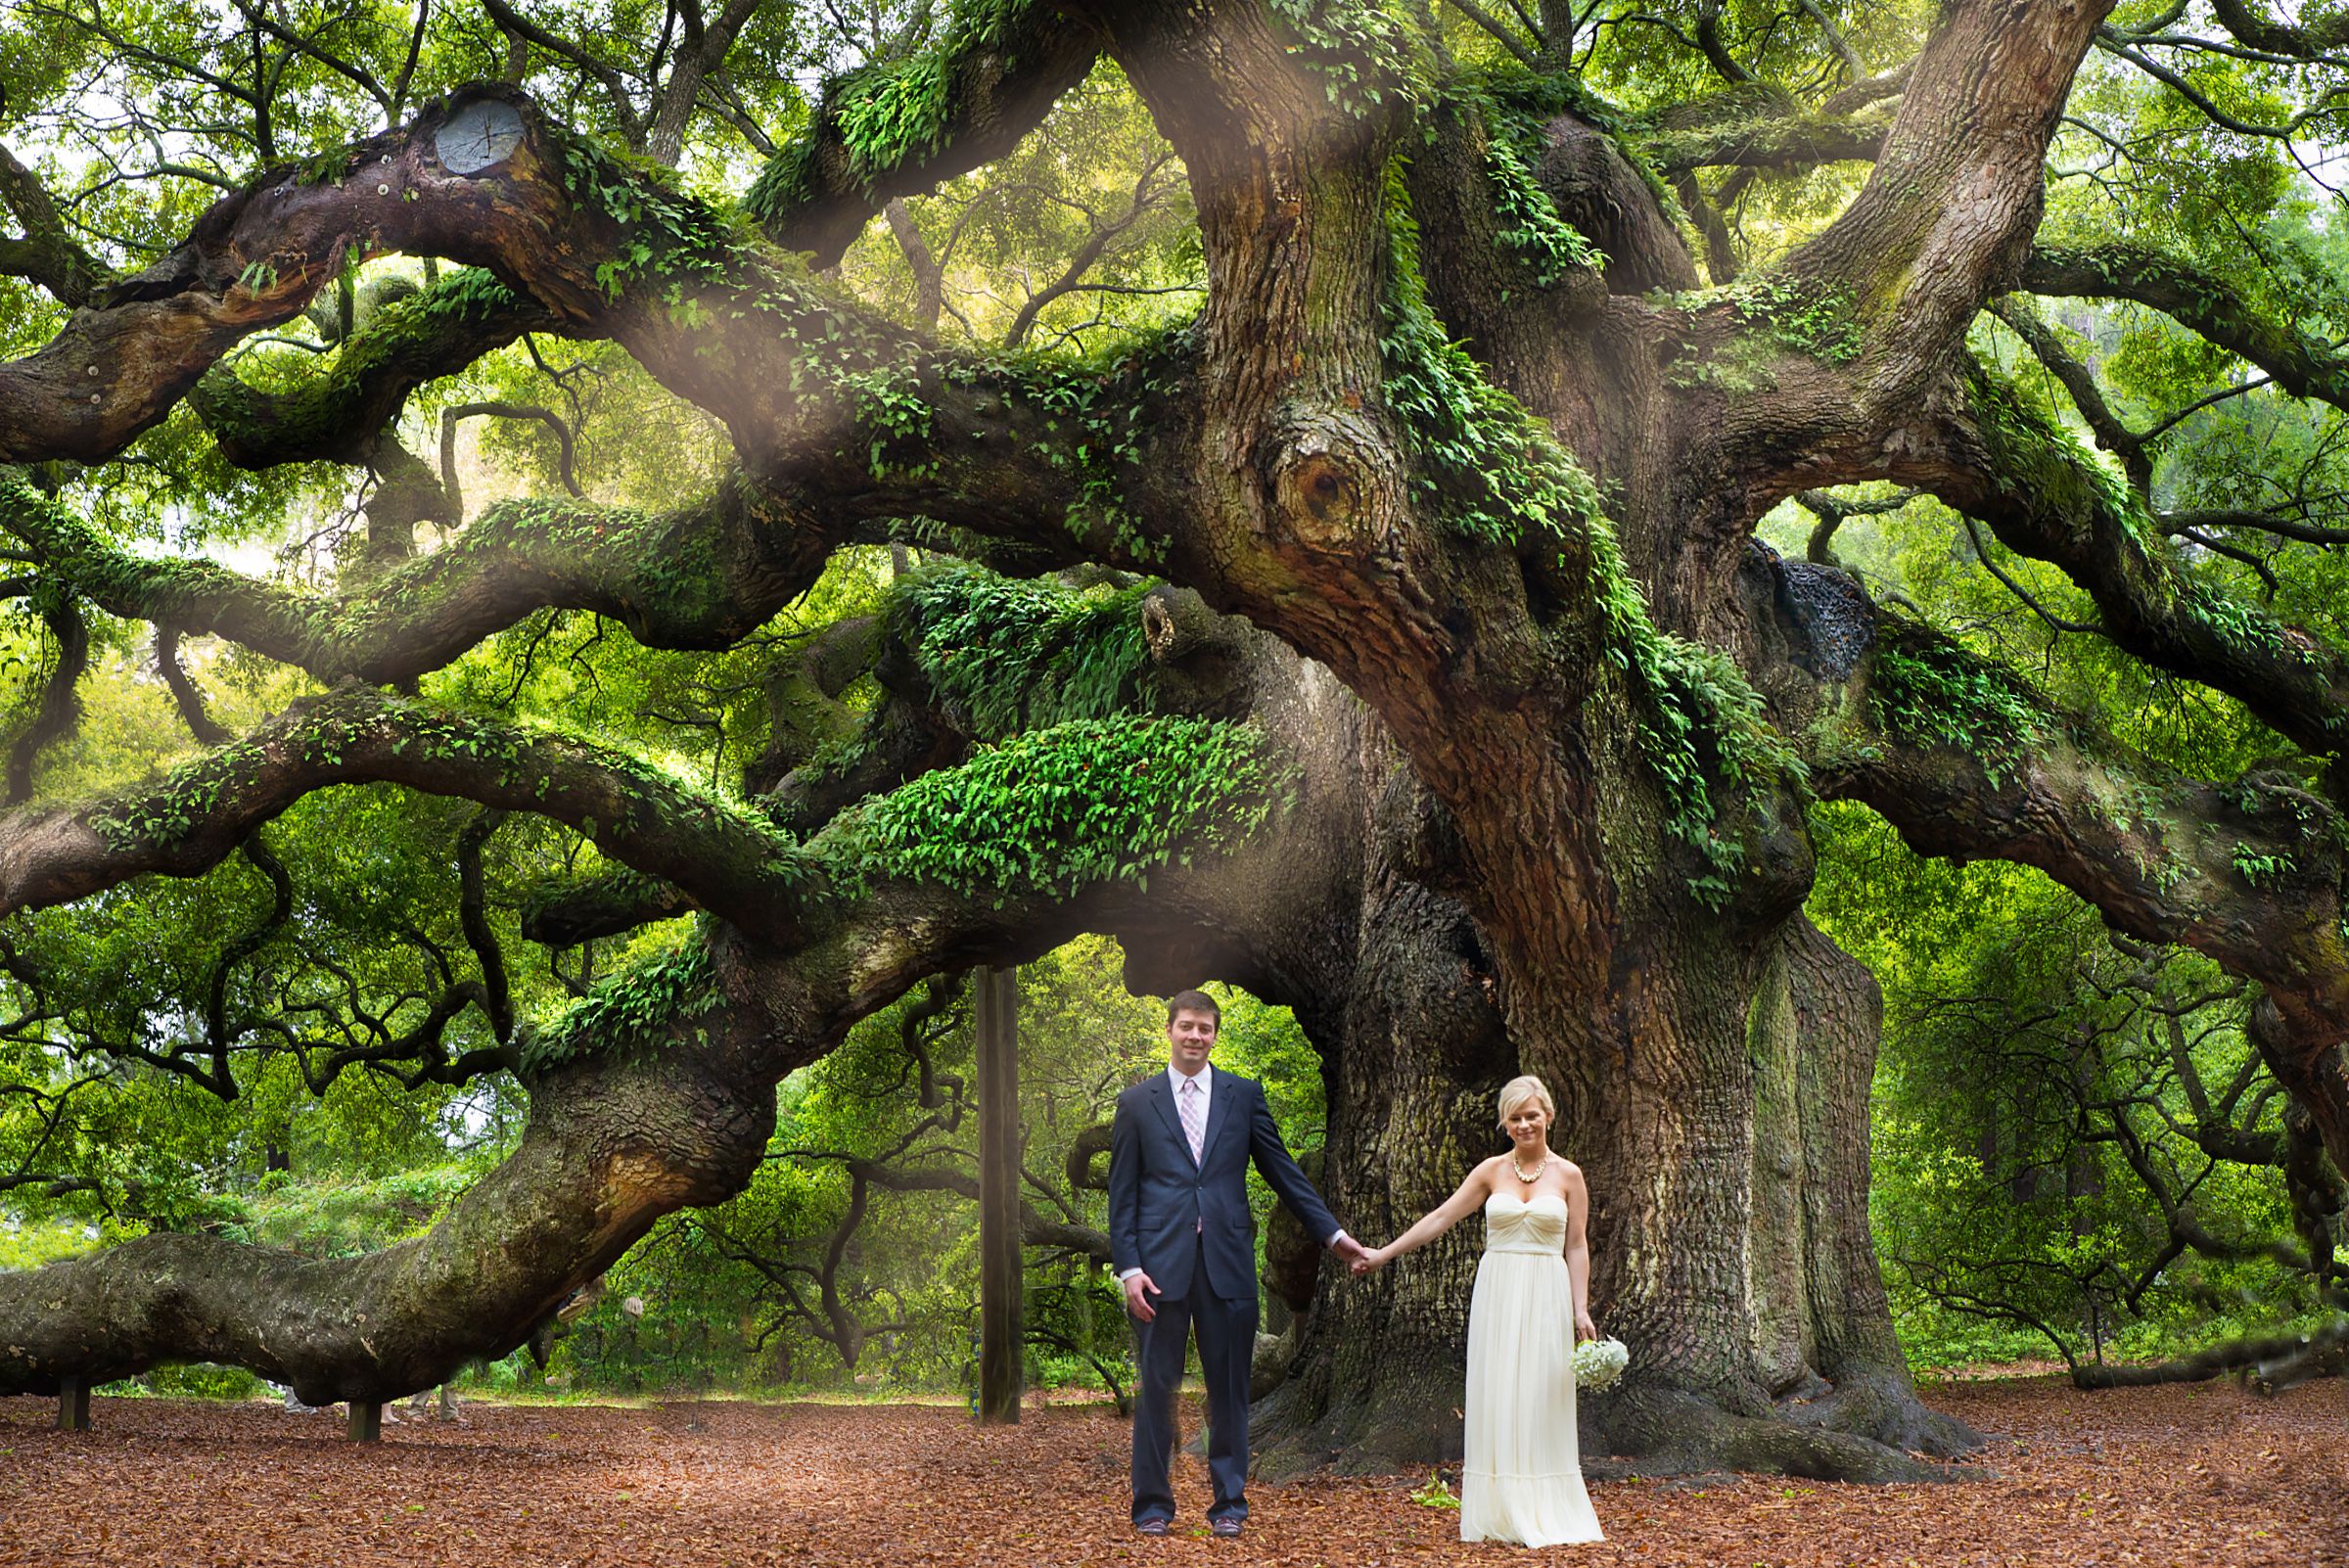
x: 1183, y: 1242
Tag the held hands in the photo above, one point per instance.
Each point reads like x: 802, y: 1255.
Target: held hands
x: 1139, y: 1289
x: 1371, y: 1261
x: 1353, y: 1251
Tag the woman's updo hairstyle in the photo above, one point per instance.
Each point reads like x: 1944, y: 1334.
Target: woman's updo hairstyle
x: 1518, y: 1090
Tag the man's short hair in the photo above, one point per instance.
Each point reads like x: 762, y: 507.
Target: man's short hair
x: 1194, y: 1001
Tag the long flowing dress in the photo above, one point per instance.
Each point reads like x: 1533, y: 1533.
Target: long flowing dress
x: 1522, y: 1476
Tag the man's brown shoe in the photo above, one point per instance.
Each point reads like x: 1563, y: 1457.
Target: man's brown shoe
x: 1151, y: 1527
x: 1224, y: 1527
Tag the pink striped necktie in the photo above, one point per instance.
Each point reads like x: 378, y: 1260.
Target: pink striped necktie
x: 1194, y: 1118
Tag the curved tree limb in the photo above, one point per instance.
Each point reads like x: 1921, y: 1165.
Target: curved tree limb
x: 47, y: 254
x: 2250, y: 23
x: 731, y: 862
x: 1949, y: 211
x: 2206, y: 306
x: 996, y: 76
x: 184, y: 695
x: 2045, y: 498
x: 1966, y: 762
x: 2129, y: 446
x: 1776, y: 143
x: 258, y: 256
x: 514, y: 559
x: 336, y: 413
x: 60, y: 710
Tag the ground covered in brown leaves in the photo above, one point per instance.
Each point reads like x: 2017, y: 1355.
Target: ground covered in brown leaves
x: 2189, y: 1475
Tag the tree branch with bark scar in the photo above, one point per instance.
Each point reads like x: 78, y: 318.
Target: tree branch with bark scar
x: 1967, y: 762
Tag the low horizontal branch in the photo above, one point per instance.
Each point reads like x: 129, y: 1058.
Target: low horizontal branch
x: 731, y: 861
x: 2204, y: 304
x: 700, y: 577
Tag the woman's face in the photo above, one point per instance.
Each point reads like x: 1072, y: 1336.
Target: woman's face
x: 1528, y: 1123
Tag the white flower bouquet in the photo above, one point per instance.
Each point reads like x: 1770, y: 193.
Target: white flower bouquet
x: 1598, y: 1363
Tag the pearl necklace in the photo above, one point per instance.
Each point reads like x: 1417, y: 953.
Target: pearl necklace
x: 1519, y: 1171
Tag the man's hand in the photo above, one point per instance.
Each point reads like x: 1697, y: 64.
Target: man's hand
x: 1353, y: 1251
x: 1138, y: 1288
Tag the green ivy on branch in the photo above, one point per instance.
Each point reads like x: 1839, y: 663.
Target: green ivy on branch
x: 1497, y: 473
x: 1016, y: 655
x: 1936, y: 693
x: 1084, y: 803
x: 641, y: 1008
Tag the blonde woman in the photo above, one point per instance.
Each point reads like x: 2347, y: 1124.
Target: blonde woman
x: 1521, y: 1477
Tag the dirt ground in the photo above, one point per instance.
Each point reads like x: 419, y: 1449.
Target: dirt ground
x: 2196, y: 1475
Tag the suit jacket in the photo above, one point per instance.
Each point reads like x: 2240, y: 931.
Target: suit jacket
x: 1162, y: 1205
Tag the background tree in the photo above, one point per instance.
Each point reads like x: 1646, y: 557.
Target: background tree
x: 1454, y: 424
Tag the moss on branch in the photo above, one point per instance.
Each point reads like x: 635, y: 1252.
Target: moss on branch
x: 696, y: 577
x: 651, y: 1003
x: 1084, y: 803
x: 335, y: 412
x: 1012, y: 654
x: 726, y: 856
x: 1928, y: 691
x: 1494, y: 473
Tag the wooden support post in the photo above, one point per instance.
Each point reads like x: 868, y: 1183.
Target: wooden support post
x: 73, y: 1405
x: 366, y: 1421
x: 1001, y: 1342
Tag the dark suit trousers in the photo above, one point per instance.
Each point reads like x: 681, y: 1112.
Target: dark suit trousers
x: 1226, y: 1332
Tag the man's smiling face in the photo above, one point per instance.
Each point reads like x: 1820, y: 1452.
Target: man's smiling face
x: 1190, y: 1036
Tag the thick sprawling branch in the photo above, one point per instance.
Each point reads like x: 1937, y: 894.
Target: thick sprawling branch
x: 1955, y: 194
x: 2302, y: 364
x: 2249, y: 23
x: 843, y: 414
x: 730, y: 862
x: 1967, y: 762
x: 336, y: 413
x: 46, y: 254
x: 699, y: 577
x: 1771, y: 142
x: 2046, y: 499
x: 898, y: 127
x: 612, y: 1144
x: 256, y: 258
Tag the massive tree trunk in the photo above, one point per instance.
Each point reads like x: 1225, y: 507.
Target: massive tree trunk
x: 1414, y: 1054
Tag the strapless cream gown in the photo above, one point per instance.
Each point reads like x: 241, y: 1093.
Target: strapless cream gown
x: 1520, y: 1479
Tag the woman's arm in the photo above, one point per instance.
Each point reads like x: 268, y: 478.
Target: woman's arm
x: 1454, y: 1209
x: 1578, y: 1252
